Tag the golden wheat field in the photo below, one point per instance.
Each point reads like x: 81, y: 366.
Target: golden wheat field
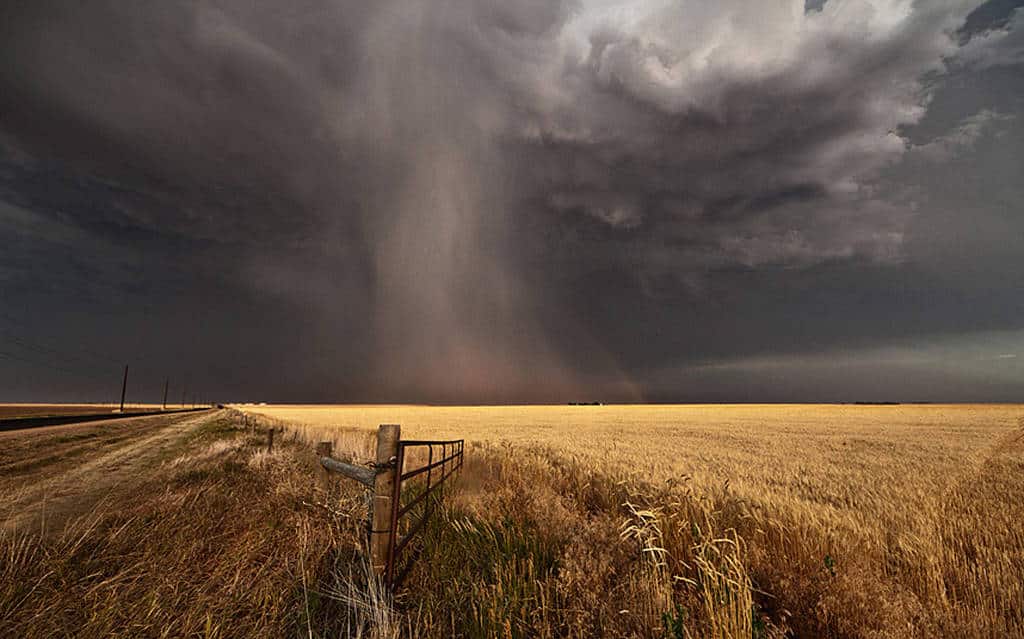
x: 851, y: 462
x: 850, y: 520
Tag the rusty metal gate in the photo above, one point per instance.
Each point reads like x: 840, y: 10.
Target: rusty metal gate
x: 392, y: 524
x: 443, y: 459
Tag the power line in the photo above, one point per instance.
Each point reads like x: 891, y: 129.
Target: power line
x: 42, y: 350
x: 12, y: 356
x: 32, y: 351
x: 63, y: 360
x: 60, y: 351
x: 97, y: 366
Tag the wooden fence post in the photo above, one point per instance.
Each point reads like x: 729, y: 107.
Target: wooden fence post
x: 383, y: 487
x: 324, y: 449
x: 270, y: 440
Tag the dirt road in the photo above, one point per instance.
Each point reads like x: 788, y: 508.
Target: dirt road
x: 50, y: 475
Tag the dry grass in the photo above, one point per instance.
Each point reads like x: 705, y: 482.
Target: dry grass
x: 50, y: 474
x: 720, y: 521
x: 575, y: 522
x: 220, y: 540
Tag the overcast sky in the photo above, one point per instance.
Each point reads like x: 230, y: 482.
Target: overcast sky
x: 512, y: 200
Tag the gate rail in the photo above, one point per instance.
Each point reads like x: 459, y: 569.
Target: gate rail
x: 386, y: 478
x: 450, y: 461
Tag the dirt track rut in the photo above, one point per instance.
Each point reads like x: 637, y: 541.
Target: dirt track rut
x: 73, y: 483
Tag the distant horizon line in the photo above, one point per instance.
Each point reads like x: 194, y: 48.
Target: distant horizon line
x: 511, y: 404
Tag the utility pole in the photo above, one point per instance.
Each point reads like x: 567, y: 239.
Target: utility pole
x: 124, y: 386
x: 166, y: 384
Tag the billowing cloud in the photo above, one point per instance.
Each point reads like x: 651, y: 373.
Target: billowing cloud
x: 962, y: 138
x: 732, y: 134
x: 441, y: 178
x: 999, y: 47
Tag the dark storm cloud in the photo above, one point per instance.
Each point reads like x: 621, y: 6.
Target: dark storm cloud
x: 727, y: 156
x: 1001, y: 45
x: 473, y: 200
x: 173, y: 121
x: 993, y: 14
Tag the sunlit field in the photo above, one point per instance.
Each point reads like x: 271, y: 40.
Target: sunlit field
x: 840, y: 520
x: 659, y: 522
x: 835, y: 461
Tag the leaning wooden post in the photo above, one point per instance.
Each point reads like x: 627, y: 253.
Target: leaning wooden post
x: 383, y: 487
x: 324, y: 449
x: 270, y: 440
